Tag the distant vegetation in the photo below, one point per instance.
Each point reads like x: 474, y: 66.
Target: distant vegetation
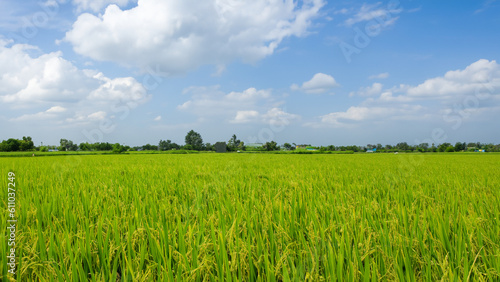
x: 194, y: 142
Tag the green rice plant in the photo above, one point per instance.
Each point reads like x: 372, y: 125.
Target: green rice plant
x: 255, y: 217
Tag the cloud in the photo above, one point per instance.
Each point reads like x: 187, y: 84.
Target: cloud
x: 118, y: 89
x: 248, y: 106
x: 29, y: 82
x: 479, y: 79
x: 370, y: 114
x: 374, y: 12
x: 251, y: 94
x: 472, y: 93
x: 480, y: 74
x: 48, y: 114
x: 158, y: 118
x: 47, y: 78
x: 179, y: 36
x: 210, y: 101
x: 56, y: 109
x: 274, y: 116
x: 98, y: 5
x: 100, y: 115
x: 320, y: 83
x: 383, y: 75
x: 245, y: 117
x: 373, y: 90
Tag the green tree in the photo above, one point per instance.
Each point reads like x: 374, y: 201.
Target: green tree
x: 423, y: 146
x: 443, y: 147
x: 271, y: 146
x: 85, y: 146
x: 209, y: 147
x: 147, y: 147
x: 287, y: 146
x: 10, y: 145
x: 471, y: 145
x: 234, y: 143
x: 460, y: 146
x: 165, y: 145
x: 26, y: 144
x: 102, y: 146
x: 403, y: 146
x: 67, y: 145
x: 353, y: 148
x: 241, y: 146
x: 118, y: 149
x: 63, y: 143
x: 194, y: 140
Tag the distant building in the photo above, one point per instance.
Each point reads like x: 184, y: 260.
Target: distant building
x: 220, y: 147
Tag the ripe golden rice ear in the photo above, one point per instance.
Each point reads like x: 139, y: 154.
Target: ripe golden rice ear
x: 259, y: 217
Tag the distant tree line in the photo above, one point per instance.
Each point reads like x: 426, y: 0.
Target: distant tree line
x: 194, y: 141
x: 13, y: 145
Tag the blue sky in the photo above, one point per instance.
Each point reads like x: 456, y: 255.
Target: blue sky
x: 315, y: 72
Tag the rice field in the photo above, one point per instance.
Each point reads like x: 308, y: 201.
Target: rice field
x: 254, y: 217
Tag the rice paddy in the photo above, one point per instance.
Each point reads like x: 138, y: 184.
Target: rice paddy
x: 255, y: 217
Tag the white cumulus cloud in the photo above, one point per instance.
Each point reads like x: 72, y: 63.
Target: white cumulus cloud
x: 373, y: 90
x: 56, y: 109
x: 30, y: 83
x: 479, y: 75
x: 319, y: 83
x: 178, y: 36
x: 211, y: 101
x: 383, y: 75
x: 274, y: 116
x: 249, y: 106
x: 277, y: 116
x: 468, y: 94
x: 245, y: 117
x: 97, y: 115
x: 366, y: 114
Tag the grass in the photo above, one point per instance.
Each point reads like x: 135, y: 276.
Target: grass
x: 256, y: 217
x: 83, y: 153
